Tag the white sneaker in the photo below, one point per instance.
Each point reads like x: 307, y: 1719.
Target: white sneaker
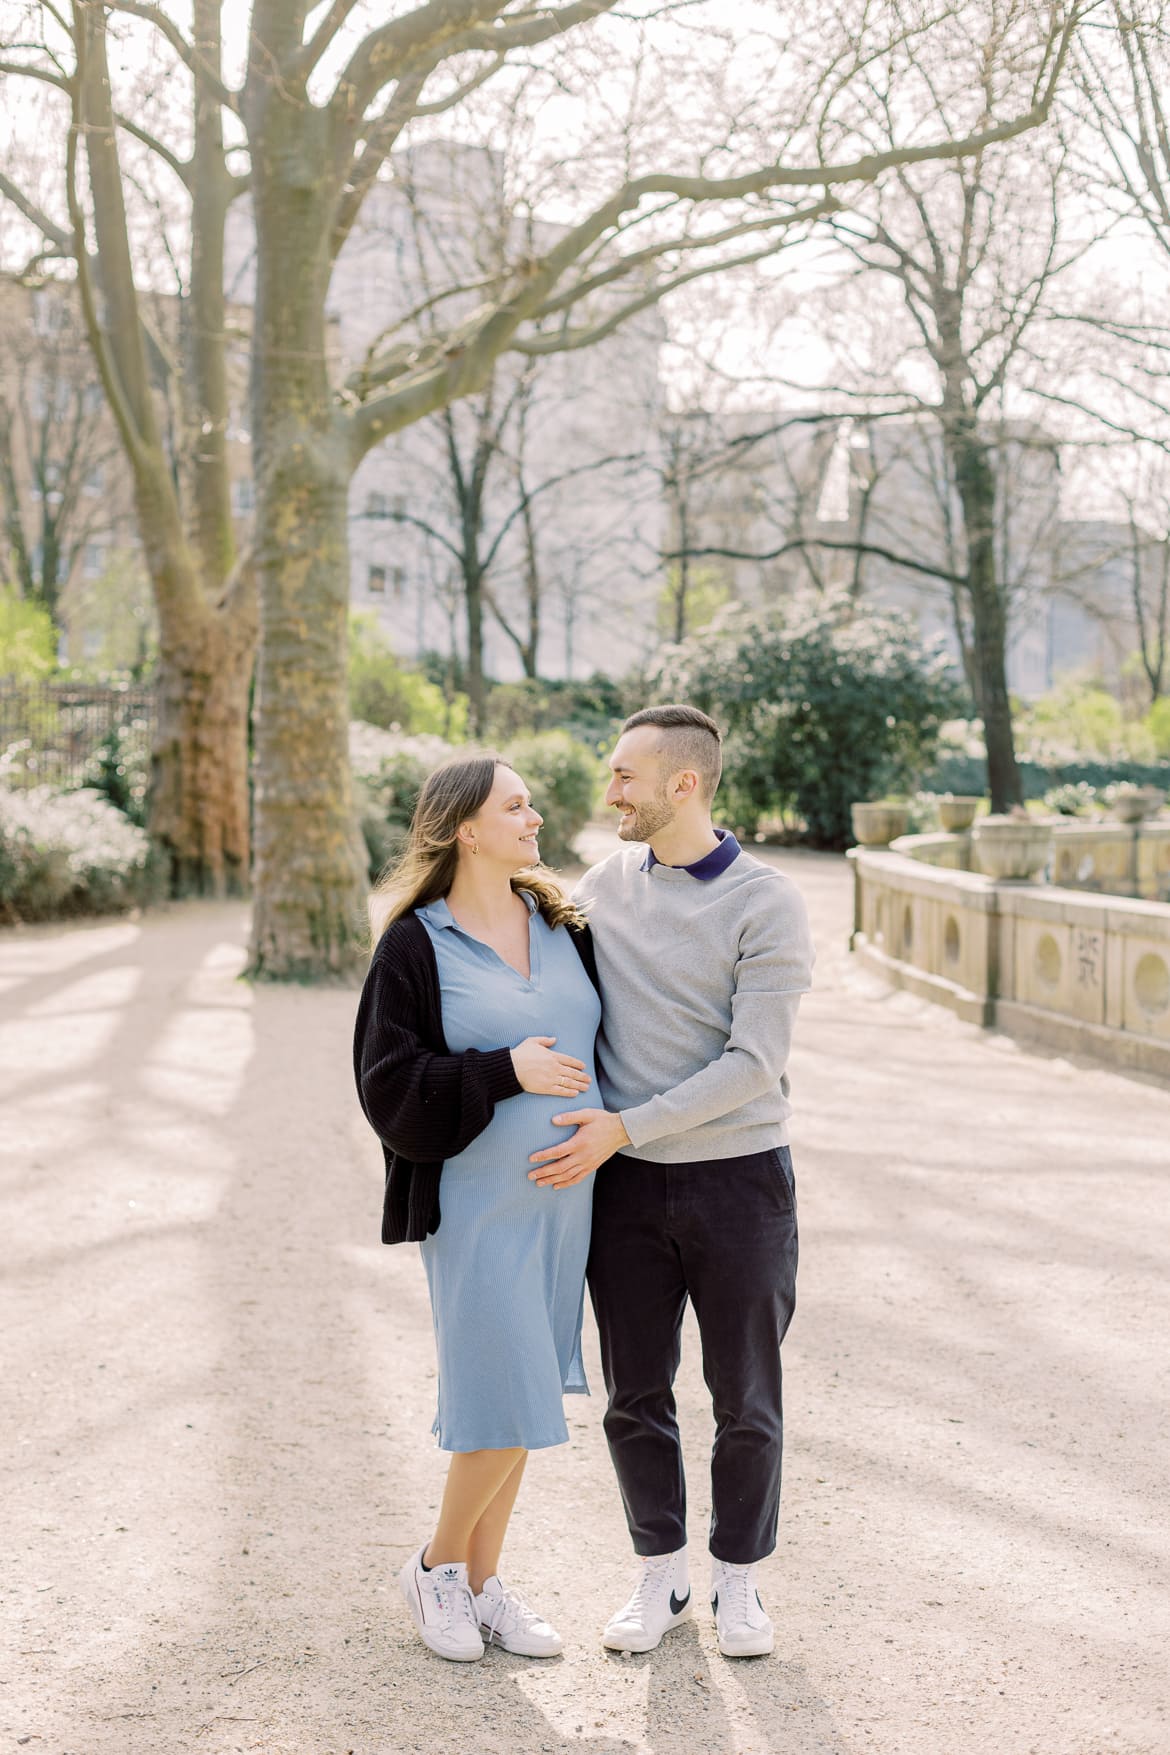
x: 441, y: 1604
x: 743, y: 1628
x: 661, y: 1600
x: 505, y: 1619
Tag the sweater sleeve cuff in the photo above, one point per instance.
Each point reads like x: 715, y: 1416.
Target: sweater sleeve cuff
x: 499, y: 1074
x: 640, y: 1123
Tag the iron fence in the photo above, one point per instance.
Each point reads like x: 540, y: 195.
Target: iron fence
x: 51, y: 732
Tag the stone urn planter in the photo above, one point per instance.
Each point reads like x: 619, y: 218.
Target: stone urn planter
x: 1016, y: 848
x: 1132, y: 804
x: 876, y: 825
x: 956, y: 813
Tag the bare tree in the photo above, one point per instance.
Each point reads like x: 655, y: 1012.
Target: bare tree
x: 972, y: 249
x: 58, y: 452
x: 319, y: 110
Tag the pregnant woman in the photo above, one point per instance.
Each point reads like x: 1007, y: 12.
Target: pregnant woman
x: 476, y: 1026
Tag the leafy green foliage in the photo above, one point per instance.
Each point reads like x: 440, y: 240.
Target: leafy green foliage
x: 820, y: 708
x: 591, y: 711
x: 119, y: 769
x: 561, y: 775
x: 28, y: 639
x: 1158, y: 725
x: 383, y: 692
x: 112, y: 620
x: 1080, y: 719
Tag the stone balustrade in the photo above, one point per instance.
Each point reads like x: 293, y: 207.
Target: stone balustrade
x: 1111, y: 858
x: 1074, y: 972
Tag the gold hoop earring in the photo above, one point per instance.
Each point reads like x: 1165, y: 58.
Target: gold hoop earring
x: 475, y: 846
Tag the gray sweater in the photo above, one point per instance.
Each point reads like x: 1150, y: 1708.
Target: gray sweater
x: 700, y: 981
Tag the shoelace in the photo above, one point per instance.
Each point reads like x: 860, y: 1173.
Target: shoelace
x: 453, y: 1599
x: 509, y: 1613
x: 735, y: 1597
x: 655, y: 1573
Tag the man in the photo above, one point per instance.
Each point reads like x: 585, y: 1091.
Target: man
x: 702, y: 952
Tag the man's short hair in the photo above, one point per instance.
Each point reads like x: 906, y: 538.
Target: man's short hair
x: 689, y: 740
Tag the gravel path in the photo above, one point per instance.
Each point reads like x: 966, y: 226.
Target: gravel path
x: 218, y: 1388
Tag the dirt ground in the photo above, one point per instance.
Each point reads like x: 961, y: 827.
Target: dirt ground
x: 218, y: 1388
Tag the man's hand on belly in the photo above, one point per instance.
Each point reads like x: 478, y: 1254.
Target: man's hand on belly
x: 597, y: 1137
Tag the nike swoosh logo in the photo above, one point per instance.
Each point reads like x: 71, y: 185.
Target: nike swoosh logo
x: 677, y: 1607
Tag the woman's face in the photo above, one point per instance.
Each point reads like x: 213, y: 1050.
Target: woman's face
x: 505, y: 825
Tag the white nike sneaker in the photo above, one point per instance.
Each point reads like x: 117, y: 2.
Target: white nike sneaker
x: 743, y: 1628
x: 661, y: 1600
x: 505, y: 1619
x: 441, y: 1605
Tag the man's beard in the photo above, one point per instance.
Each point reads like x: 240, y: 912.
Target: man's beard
x: 647, y: 819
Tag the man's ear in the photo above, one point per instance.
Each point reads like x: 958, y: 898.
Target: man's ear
x: 687, y: 784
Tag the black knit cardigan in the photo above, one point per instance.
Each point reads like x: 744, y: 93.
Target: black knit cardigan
x: 424, y: 1103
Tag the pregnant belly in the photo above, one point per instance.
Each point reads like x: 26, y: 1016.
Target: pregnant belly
x: 498, y: 1159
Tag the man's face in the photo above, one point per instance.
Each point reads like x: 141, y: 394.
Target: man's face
x: 640, y: 788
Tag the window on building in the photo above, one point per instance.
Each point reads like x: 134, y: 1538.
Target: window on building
x: 376, y: 581
x: 93, y: 563
x: 398, y: 580
x: 243, y: 496
x: 377, y: 505
x: 95, y: 481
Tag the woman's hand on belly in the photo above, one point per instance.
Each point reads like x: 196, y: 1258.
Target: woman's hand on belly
x: 546, y: 1074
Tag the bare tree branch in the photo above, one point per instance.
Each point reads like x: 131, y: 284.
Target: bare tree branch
x: 62, y: 240
x: 187, y: 52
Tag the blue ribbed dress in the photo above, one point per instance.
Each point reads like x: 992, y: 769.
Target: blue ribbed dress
x: 506, y: 1268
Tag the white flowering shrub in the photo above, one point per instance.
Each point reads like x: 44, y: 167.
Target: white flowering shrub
x: 67, y: 853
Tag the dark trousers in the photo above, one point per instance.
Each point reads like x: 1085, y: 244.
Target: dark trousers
x: 723, y: 1233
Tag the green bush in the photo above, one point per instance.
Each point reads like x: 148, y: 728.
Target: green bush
x: 382, y: 692
x: 820, y: 708
x: 561, y: 775
x: 64, y: 853
x: 119, y: 769
x: 28, y: 639
x: 962, y: 772
x: 1157, y: 724
x: 591, y: 711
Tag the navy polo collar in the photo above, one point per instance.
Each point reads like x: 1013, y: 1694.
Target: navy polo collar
x: 711, y: 863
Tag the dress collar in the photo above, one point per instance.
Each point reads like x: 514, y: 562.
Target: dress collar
x: 438, y: 914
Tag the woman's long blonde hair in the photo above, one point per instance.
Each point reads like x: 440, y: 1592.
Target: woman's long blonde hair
x: 426, y: 870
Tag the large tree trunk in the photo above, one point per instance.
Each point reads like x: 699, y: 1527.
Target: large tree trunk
x: 199, y: 791
x: 199, y: 811
x: 309, y: 917
x: 975, y: 481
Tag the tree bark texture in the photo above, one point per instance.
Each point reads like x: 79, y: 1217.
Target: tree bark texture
x: 309, y: 918
x: 199, y: 788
